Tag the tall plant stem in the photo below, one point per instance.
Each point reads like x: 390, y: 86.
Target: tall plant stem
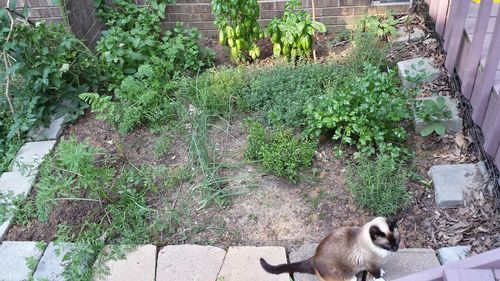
x: 313, y: 6
x: 6, y: 63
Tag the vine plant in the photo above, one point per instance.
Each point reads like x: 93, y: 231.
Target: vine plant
x: 238, y: 27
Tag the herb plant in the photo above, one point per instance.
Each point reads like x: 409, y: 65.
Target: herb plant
x: 238, y: 27
x: 384, y: 26
x: 292, y: 35
x: 366, y: 111
x: 432, y: 112
x: 378, y: 185
x: 281, y: 153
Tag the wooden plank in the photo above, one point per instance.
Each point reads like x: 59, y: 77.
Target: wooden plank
x: 476, y: 47
x: 470, y: 23
x: 491, y: 127
x: 433, y: 7
x: 457, y: 30
x: 454, y: 7
x: 442, y: 11
x: 468, y: 275
x: 474, y: 8
x: 497, y: 161
x: 486, y: 260
x: 484, y: 83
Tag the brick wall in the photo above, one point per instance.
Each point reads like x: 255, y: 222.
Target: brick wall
x: 39, y: 10
x: 335, y: 14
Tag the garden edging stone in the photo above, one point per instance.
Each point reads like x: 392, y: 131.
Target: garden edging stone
x: 454, y: 124
x: 13, y: 255
x: 412, y: 67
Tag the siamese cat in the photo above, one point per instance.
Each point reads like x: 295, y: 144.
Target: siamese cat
x: 348, y: 252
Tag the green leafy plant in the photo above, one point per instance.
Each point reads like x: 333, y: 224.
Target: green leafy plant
x: 292, y: 35
x: 368, y: 48
x: 281, y: 153
x: 378, y: 185
x: 238, y: 27
x: 279, y: 94
x: 384, y: 26
x: 433, y: 112
x: 365, y: 111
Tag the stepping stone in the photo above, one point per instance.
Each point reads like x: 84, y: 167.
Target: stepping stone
x: 417, y: 67
x: 138, y: 265
x: 453, y: 184
x: 4, y: 227
x: 51, y: 265
x: 408, y: 261
x: 13, y: 255
x: 30, y: 156
x: 242, y: 264
x: 189, y: 262
x: 304, y: 252
x: 451, y: 254
x: 51, y: 133
x: 413, y: 35
x: 15, y: 183
x: 454, y: 124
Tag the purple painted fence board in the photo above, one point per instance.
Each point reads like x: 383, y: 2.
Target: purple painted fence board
x: 490, y: 126
x: 485, y: 82
x: 476, y: 46
x: 475, y: 7
x: 449, y: 27
x: 486, y: 260
x: 456, y: 34
x: 442, y: 11
x: 433, y: 6
x: 468, y: 275
x: 497, y: 160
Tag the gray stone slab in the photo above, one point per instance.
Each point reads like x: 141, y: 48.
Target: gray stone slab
x: 453, y: 184
x: 408, y: 261
x: 13, y: 255
x: 51, y: 265
x: 454, y: 124
x: 4, y: 227
x: 138, y: 265
x: 304, y: 252
x: 413, y: 35
x: 189, y: 263
x: 242, y: 264
x: 414, y: 67
x: 30, y: 156
x: 451, y: 254
x: 48, y: 133
x: 15, y: 183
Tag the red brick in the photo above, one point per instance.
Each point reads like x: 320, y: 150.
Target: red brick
x: 183, y: 17
x: 327, y: 3
x: 354, y: 2
x: 266, y: 6
x: 206, y: 17
x: 270, y: 14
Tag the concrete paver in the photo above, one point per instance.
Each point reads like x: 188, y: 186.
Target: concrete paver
x: 408, y: 261
x: 13, y: 255
x: 242, y: 264
x: 451, y: 254
x: 413, y: 35
x: 304, y: 252
x: 15, y: 183
x: 454, y: 124
x: 30, y: 156
x: 453, y: 184
x: 51, y: 265
x: 48, y: 133
x: 417, y: 67
x: 138, y: 265
x: 189, y: 263
x: 4, y: 226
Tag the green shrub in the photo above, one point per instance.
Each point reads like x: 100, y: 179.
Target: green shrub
x: 281, y: 153
x: 378, y: 185
x: 366, y: 112
x: 280, y: 93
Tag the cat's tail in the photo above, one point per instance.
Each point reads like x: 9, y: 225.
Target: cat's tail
x: 305, y: 266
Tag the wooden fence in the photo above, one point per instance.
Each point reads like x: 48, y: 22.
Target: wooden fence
x: 471, y: 40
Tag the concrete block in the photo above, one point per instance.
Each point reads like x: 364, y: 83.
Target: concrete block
x: 48, y: 133
x: 417, y: 67
x: 4, y: 227
x: 15, y: 183
x: 408, y: 261
x: 138, y: 265
x: 30, y: 156
x: 189, y: 262
x: 304, y: 252
x: 413, y: 35
x: 51, y: 265
x: 454, y: 124
x: 13, y: 255
x: 454, y: 183
x: 451, y: 254
x: 242, y: 264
